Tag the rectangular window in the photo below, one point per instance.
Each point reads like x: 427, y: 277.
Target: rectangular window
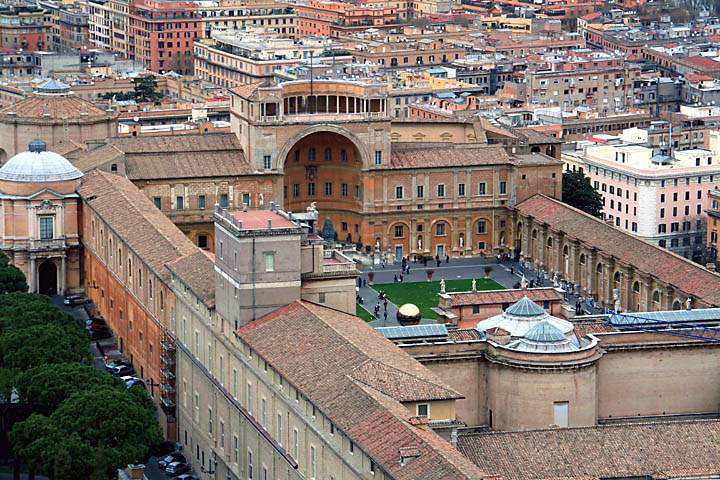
x: 440, y: 229
x: 344, y: 189
x: 46, y: 228
x: 250, y: 465
x: 296, y: 190
x: 378, y: 157
x: 224, y: 200
x: 245, y: 199
x: 399, y: 231
x: 269, y: 262
x: 235, y: 383
x: 420, y: 191
x: 422, y: 410
x: 482, y: 186
x: 561, y: 414
x: 267, y: 162
x: 441, y: 190
x: 482, y: 227
x: 399, y: 192
x: 503, y: 188
x: 461, y: 189
x: 313, y: 463
x: 279, y: 430
x: 311, y: 154
x: 328, y: 189
x: 158, y: 202
x: 222, y: 435
x: 179, y: 202
x: 311, y: 189
x: 201, y: 201
x: 196, y: 407
x: 296, y: 444
x: 249, y: 398
x: 236, y: 449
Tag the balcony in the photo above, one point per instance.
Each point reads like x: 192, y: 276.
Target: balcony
x: 168, y: 373
x: 167, y: 360
x: 336, y: 262
x: 50, y: 244
x: 167, y: 389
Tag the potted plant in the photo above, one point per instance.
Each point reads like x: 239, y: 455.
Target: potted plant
x: 429, y: 274
x: 488, y: 270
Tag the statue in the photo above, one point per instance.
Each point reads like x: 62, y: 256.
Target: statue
x: 556, y: 281
x: 616, y: 296
x: 462, y: 241
x: 420, y: 243
x: 377, y: 245
x: 442, y: 285
x: 474, y: 285
x: 688, y: 303
x: 523, y: 282
x: 262, y: 199
x: 312, y: 208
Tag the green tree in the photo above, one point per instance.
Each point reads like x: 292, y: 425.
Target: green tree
x: 21, y: 310
x: 579, y: 193
x: 12, y: 279
x: 47, y: 386
x: 146, y: 89
x: 42, y: 345
x: 102, y: 428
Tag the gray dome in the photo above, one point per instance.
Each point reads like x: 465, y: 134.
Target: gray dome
x: 525, y: 308
x: 545, y: 332
x: 38, y: 165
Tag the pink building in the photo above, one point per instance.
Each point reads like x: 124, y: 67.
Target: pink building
x: 659, y: 198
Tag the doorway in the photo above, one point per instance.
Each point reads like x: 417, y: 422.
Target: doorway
x: 398, y: 253
x: 47, y: 275
x: 440, y: 251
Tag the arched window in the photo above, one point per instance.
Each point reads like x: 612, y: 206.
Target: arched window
x: 162, y: 301
x: 656, y: 296
x: 549, y: 242
x: 328, y: 153
x: 636, y: 287
x: 582, y: 259
x: 676, y: 305
x: 534, y: 234
x: 130, y: 267
x: 617, y: 277
x: 566, y: 250
x: 599, y: 268
x: 150, y: 289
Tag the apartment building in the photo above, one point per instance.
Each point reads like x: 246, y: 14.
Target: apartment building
x: 603, y: 81
x: 334, y: 19
x: 164, y: 34
x: 277, y: 17
x: 713, y: 214
x: 233, y: 58
x: 657, y: 196
x: 24, y: 28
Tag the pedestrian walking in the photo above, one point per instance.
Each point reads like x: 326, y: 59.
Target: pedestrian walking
x: 401, y: 277
x: 395, y: 278
x: 385, y: 302
x: 447, y: 258
x: 385, y: 315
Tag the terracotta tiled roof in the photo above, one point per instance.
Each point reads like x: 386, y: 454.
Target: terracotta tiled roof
x: 55, y: 107
x: 357, y: 378
x: 583, y: 328
x: 669, y: 268
x: 703, y: 63
x: 662, y: 449
x: 503, y: 296
x: 134, y: 218
x: 173, y: 156
x: 464, y: 335
x: 447, y: 156
x: 247, y: 90
x: 197, y: 271
x: 257, y: 220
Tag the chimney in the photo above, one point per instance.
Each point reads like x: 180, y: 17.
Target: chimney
x: 269, y: 223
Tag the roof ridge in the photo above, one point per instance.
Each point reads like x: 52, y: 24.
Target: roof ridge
x: 372, y: 360
x: 605, y: 225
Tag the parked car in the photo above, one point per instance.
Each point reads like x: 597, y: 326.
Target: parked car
x: 187, y: 476
x: 176, y: 468
x: 73, y: 300
x: 91, y: 323
x: 131, y: 381
x: 115, y: 363
x: 122, y: 370
x: 173, y: 457
x: 99, y: 333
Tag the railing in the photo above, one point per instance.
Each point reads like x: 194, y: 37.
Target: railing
x: 167, y: 373
x: 167, y: 345
x: 344, y: 263
x: 314, y: 117
x: 167, y: 360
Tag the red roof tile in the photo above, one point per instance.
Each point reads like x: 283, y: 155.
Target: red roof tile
x: 669, y: 268
x: 258, y: 220
x: 487, y: 297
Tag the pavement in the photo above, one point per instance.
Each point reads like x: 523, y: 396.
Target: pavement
x: 507, y: 274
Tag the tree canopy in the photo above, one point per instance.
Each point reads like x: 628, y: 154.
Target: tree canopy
x: 47, y: 386
x: 12, y: 279
x: 42, y: 345
x: 21, y: 310
x: 577, y: 191
x: 95, y: 431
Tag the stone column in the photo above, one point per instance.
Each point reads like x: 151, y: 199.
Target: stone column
x: 63, y: 270
x: 33, y: 276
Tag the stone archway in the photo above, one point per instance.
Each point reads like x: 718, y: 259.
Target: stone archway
x: 325, y: 168
x: 47, y: 278
x: 289, y: 146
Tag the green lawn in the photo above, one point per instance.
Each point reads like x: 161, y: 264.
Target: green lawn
x: 362, y: 313
x: 424, y: 294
